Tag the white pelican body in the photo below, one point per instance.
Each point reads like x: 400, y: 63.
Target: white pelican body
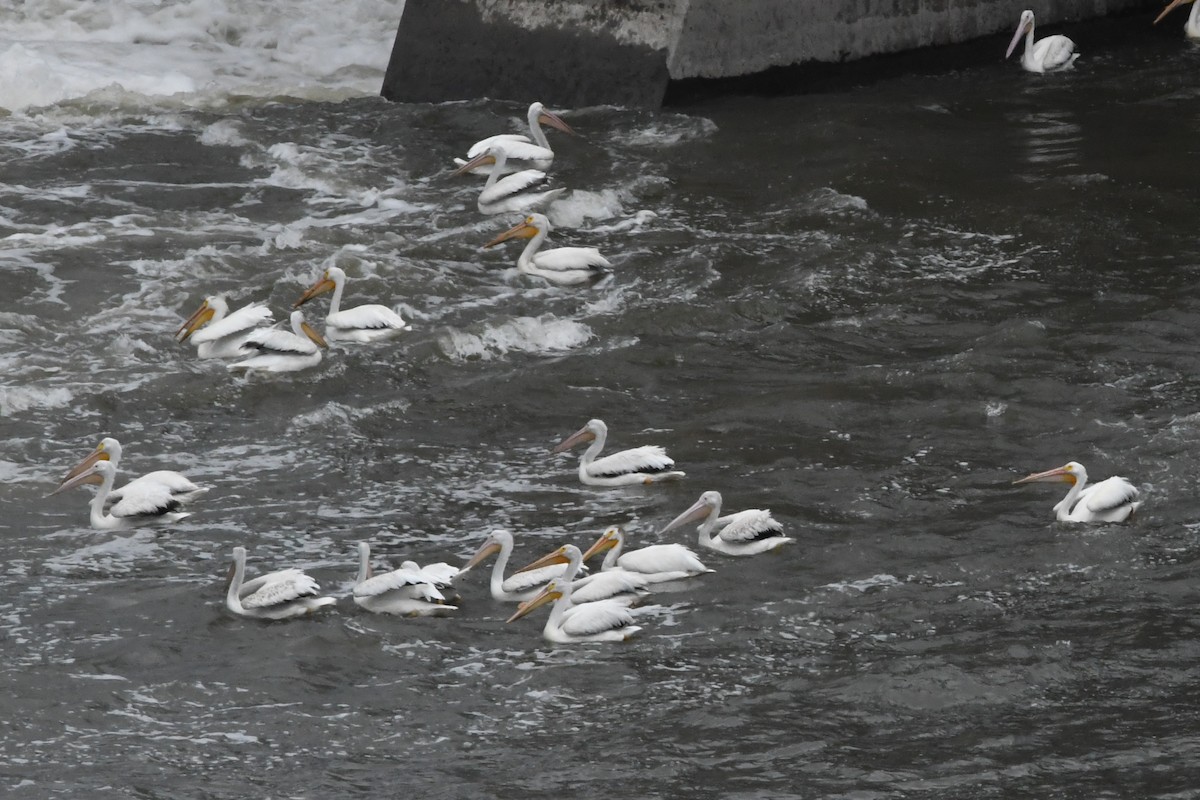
x: 602, y: 621
x: 508, y: 194
x: 223, y: 335
x: 1051, y: 54
x: 745, y: 533
x: 177, y: 486
x: 408, y: 591
x: 616, y: 585
x: 657, y: 563
x: 276, y: 595
x: 141, y: 503
x: 521, y: 585
x: 647, y: 464
x: 534, y: 153
x: 283, y: 351
x: 1111, y: 500
x: 366, y: 323
x: 1191, y: 28
x: 565, y: 266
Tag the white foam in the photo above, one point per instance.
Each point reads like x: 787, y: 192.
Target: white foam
x: 546, y: 334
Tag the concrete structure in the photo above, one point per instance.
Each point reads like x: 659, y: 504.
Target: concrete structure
x: 589, y: 52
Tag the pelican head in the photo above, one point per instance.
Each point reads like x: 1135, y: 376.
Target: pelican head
x: 588, y: 433
x: 699, y: 510
x: 539, y: 113
x: 97, y: 472
x: 1023, y: 27
x: 332, y: 278
x: 214, y: 306
x: 302, y: 327
x: 1071, y: 472
x: 528, y: 228
x: 549, y: 593
x: 108, y: 449
x: 490, y: 547
x: 611, y: 537
x: 560, y: 556
x: 1171, y: 7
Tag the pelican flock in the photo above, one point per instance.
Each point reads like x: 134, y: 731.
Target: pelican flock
x: 1051, y: 54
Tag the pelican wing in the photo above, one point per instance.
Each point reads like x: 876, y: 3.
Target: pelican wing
x: 368, y: 317
x: 407, y: 581
x: 252, y: 586
x: 511, y: 185
x: 649, y: 458
x: 178, y: 485
x: 147, y: 499
x: 662, y: 558
x: 749, y: 526
x: 1054, y: 52
x: 532, y: 579
x: 280, y: 342
x: 243, y: 320
x: 565, y: 258
x: 1108, y: 495
x: 290, y: 585
x: 509, y: 140
x: 589, y: 619
x: 440, y: 574
x: 604, y: 585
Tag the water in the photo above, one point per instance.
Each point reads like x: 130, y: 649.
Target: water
x: 869, y: 309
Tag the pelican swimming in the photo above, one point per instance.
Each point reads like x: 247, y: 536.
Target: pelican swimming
x: 518, y: 586
x: 223, y: 335
x: 745, y: 533
x: 177, y: 486
x: 366, y: 323
x: 276, y: 595
x: 656, y: 563
x: 1111, y: 500
x: 646, y: 464
x: 1046, y: 55
x: 565, y: 266
x: 142, y: 503
x: 602, y: 621
x: 408, y: 591
x: 535, y: 153
x: 283, y: 351
x: 617, y: 585
x: 1191, y: 28
x: 508, y: 194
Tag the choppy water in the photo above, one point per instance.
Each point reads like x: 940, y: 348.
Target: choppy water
x: 869, y: 310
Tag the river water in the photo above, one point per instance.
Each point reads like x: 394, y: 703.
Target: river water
x: 868, y: 309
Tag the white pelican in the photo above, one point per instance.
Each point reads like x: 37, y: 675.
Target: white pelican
x: 142, y: 503
x: 178, y: 487
x: 283, y: 351
x: 276, y: 595
x: 535, y: 153
x: 508, y: 194
x: 1046, y: 55
x: 745, y: 533
x: 1111, y: 500
x: 657, y: 563
x: 366, y: 323
x: 617, y: 585
x: 519, y: 586
x: 646, y: 464
x: 224, y: 334
x: 407, y: 591
x: 565, y: 266
x: 602, y: 621
x: 1191, y: 28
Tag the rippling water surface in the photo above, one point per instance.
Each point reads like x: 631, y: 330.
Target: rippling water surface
x: 867, y: 309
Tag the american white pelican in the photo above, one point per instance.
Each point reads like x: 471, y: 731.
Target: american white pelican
x: 508, y: 194
x: 535, y: 153
x: 518, y: 586
x: 565, y: 266
x: 1111, y: 500
x: 366, y: 323
x: 142, y: 503
x: 224, y: 334
x: 602, y: 621
x: 1191, y: 28
x: 407, y: 591
x: 657, y: 563
x: 646, y: 464
x: 178, y: 487
x: 745, y: 533
x: 617, y: 585
x: 1046, y: 55
x: 283, y: 351
x: 276, y: 595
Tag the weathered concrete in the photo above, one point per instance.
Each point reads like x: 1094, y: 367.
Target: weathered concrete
x: 588, y: 52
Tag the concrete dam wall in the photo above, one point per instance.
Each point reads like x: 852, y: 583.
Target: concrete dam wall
x: 625, y: 52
